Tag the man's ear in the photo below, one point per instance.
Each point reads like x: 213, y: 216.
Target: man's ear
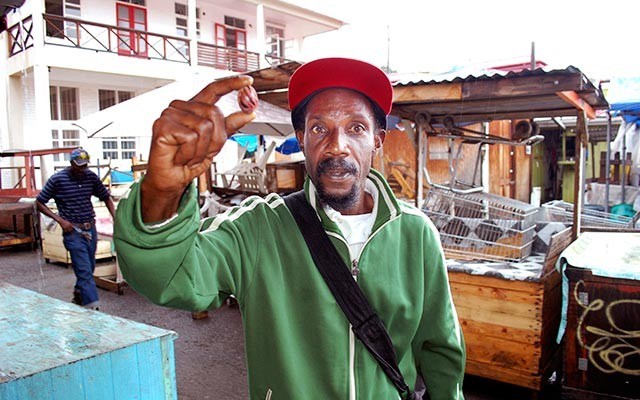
x: 300, y: 138
x: 379, y: 138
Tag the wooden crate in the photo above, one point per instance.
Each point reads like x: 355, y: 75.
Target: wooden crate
x: 285, y: 176
x: 55, y: 350
x: 602, y: 338
x: 510, y: 326
x: 108, y: 276
x: 53, y: 247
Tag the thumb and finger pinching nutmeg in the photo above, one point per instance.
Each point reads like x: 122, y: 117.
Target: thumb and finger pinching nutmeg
x: 248, y: 99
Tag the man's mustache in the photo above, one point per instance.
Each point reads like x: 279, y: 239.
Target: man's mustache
x: 337, y: 163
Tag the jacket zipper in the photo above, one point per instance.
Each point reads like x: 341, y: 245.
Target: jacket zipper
x: 352, y: 342
x: 355, y: 271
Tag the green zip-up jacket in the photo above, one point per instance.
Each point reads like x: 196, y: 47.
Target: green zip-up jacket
x: 298, y: 341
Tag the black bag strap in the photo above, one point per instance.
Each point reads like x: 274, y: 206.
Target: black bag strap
x: 365, y: 323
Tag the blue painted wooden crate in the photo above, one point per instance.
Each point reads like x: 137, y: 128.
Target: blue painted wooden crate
x: 53, y: 350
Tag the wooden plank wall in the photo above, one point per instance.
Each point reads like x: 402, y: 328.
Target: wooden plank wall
x: 509, y: 166
x: 509, y: 174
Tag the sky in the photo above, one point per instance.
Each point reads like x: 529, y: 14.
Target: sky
x: 598, y: 37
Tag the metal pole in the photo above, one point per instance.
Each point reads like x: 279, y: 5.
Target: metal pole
x: 607, y: 179
x: 623, y: 162
x: 533, y: 56
x: 388, y: 49
x: 581, y: 143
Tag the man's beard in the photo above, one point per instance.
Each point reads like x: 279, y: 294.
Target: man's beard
x: 338, y: 203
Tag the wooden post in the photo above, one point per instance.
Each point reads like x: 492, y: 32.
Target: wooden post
x: 582, y: 140
x: 134, y: 162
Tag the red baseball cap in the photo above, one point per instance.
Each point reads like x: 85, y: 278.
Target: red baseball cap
x: 347, y: 73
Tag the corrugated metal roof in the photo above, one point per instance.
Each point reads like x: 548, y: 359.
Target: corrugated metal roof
x: 468, y: 75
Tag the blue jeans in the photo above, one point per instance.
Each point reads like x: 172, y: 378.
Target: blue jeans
x: 83, y: 261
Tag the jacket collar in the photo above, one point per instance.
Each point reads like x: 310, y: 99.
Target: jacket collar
x: 388, y: 207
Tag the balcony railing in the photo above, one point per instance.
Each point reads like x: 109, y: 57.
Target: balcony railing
x: 228, y: 58
x: 72, y: 32
x: 20, y: 36
x: 76, y: 33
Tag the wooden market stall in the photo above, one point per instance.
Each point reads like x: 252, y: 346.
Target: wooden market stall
x: 509, y: 324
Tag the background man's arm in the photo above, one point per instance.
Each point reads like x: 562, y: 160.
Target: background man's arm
x: 110, y: 206
x: 64, y: 224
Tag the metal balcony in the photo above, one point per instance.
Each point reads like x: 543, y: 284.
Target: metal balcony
x: 228, y: 58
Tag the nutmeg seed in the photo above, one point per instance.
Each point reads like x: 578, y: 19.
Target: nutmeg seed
x: 248, y: 99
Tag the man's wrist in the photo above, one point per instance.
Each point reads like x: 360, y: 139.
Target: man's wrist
x: 158, y: 206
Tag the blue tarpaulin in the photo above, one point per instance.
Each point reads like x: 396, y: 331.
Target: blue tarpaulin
x: 289, y: 146
x: 248, y: 141
x: 630, y: 112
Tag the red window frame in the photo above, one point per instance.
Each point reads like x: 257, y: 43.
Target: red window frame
x: 224, y: 59
x: 137, y: 45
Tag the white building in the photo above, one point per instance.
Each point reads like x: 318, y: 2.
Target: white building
x: 65, y: 59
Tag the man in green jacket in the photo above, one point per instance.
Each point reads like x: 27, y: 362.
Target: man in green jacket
x: 299, y: 344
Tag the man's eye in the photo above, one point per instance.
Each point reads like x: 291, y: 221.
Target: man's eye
x: 318, y: 129
x: 358, y: 128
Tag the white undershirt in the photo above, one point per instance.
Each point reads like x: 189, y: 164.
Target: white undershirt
x: 356, y: 229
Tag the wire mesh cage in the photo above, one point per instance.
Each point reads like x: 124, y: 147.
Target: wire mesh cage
x: 481, y: 226
x: 561, y: 211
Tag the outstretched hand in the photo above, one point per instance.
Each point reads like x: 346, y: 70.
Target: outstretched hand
x: 186, y: 137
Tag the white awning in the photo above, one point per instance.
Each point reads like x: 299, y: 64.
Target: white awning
x: 135, y: 117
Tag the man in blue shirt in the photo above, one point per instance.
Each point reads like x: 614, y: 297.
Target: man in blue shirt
x: 72, y: 189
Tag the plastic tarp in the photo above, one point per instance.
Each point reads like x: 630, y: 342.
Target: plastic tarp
x: 623, y: 95
x: 289, y: 146
x: 250, y: 142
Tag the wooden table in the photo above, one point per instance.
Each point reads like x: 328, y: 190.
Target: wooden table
x: 18, y: 224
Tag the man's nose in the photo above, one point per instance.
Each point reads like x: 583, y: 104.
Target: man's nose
x: 337, y: 142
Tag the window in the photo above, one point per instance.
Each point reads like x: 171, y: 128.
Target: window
x: 182, y: 30
x: 136, y: 2
x: 233, y: 34
x: 64, y: 138
x: 132, y: 42
x: 108, y: 98
x: 181, y: 9
x: 124, y: 96
x: 275, y: 41
x: 235, y: 22
x: 63, y: 8
x: 64, y: 103
x: 64, y: 107
x: 118, y: 148
x: 182, y: 12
